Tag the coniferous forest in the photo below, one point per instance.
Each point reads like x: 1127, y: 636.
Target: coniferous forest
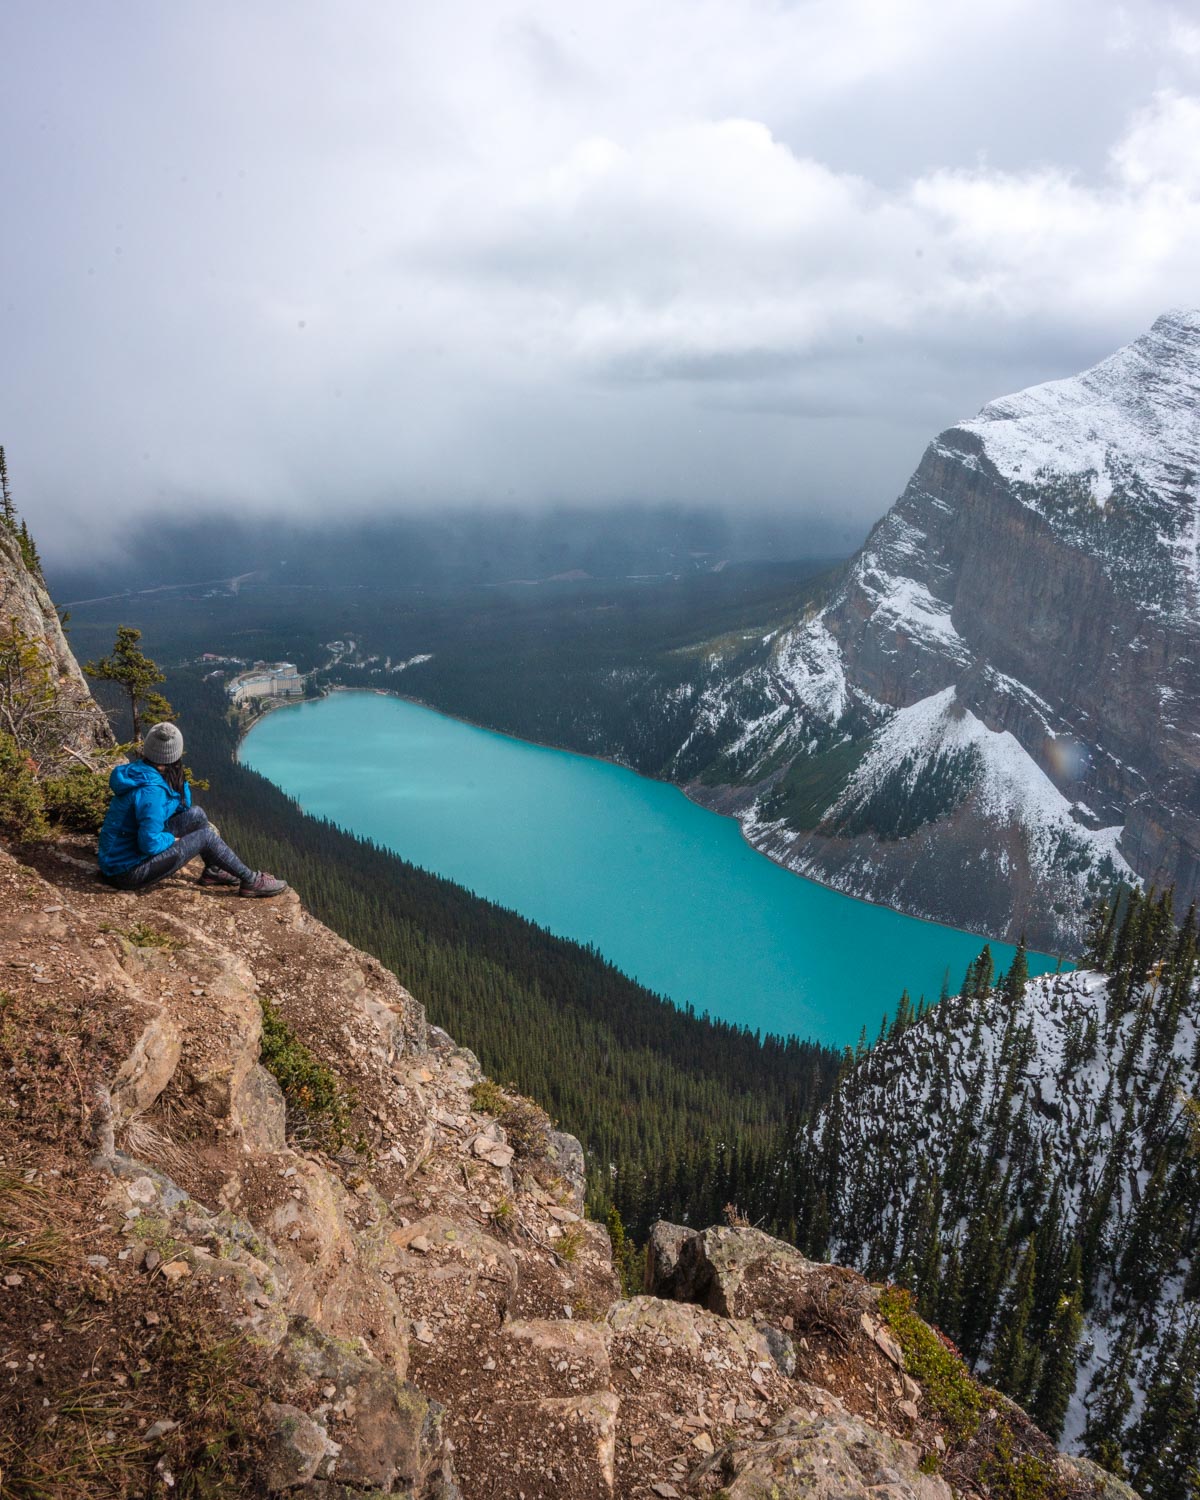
x: 1025, y: 1157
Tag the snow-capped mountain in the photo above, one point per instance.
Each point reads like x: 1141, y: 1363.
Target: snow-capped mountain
x: 996, y: 714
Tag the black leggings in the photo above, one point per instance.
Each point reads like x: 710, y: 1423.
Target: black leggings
x: 194, y: 834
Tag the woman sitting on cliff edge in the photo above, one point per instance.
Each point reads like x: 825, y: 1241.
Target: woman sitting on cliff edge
x: 151, y: 828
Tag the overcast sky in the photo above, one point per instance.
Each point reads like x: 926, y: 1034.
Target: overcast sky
x: 289, y: 256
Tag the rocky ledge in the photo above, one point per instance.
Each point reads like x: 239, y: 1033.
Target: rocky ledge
x: 378, y: 1279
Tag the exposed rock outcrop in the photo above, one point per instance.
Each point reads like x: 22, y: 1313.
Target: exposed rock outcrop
x: 420, y: 1310
x: 27, y: 609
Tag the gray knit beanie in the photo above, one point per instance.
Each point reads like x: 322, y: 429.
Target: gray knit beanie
x: 162, y: 745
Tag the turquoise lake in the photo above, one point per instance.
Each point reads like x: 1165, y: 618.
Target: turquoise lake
x: 668, y: 891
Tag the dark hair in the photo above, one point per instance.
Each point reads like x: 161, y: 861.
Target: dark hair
x: 173, y: 774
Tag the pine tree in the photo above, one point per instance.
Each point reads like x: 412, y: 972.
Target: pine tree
x: 1097, y: 951
x: 985, y: 972
x: 1110, y: 1401
x: 1165, y: 1444
x: 1121, y: 962
x: 1143, y: 1248
x: 8, y: 517
x: 1013, y: 1362
x: 980, y: 973
x: 950, y: 1297
x: 136, y: 675
x: 1017, y: 977
x: 1050, y: 1262
x: 818, y: 1230
x: 1059, y: 1369
x: 8, y: 512
x: 29, y: 552
x: 983, y: 1274
x: 627, y: 1259
x: 903, y: 1019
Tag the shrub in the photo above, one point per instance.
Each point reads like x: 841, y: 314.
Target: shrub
x: 526, y: 1124
x: 488, y: 1097
x: 317, y: 1104
x: 572, y: 1242
x: 949, y: 1388
x: 78, y: 800
x: 1009, y: 1475
x: 22, y: 804
x: 31, y: 709
x: 142, y: 935
x: 39, y: 785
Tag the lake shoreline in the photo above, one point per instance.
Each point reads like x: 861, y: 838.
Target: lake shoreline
x: 599, y: 854
x: 682, y: 789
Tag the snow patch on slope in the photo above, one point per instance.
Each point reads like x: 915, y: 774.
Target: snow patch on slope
x: 808, y: 664
x: 787, y: 700
x: 1136, y: 408
x: 907, y: 606
x: 1009, y: 787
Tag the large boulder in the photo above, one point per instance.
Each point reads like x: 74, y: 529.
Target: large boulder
x: 1105, y: 1486
x: 389, y: 1435
x: 662, y: 1258
x: 826, y: 1456
x: 736, y: 1272
x: 294, y: 1447
x: 565, y: 1153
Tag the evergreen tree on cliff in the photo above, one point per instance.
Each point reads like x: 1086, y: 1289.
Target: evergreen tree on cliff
x: 1018, y: 975
x: 137, y: 677
x: 1014, y: 1362
x: 980, y: 974
x: 1059, y: 1371
x: 8, y: 515
x: 8, y: 511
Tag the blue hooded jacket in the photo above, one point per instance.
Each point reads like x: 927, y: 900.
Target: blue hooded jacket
x: 135, y: 823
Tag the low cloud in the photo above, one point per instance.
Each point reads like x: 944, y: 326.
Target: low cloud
x: 713, y: 252
x: 741, y: 254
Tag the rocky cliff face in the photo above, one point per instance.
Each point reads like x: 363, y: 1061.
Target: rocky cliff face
x: 996, y: 715
x: 204, y: 1291
x: 27, y: 611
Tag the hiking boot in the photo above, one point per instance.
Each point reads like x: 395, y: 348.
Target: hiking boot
x: 213, y: 875
x: 263, y: 885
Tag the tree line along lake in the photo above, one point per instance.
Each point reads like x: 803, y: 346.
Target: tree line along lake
x: 666, y: 890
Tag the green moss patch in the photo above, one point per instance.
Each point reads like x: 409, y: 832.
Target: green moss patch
x: 949, y: 1387
x: 1012, y: 1476
x: 319, y: 1107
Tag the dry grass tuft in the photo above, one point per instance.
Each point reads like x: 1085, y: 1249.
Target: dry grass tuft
x: 150, y: 1143
x: 27, y: 1241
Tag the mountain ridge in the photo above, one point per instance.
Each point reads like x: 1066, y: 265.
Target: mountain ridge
x: 1054, y: 592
